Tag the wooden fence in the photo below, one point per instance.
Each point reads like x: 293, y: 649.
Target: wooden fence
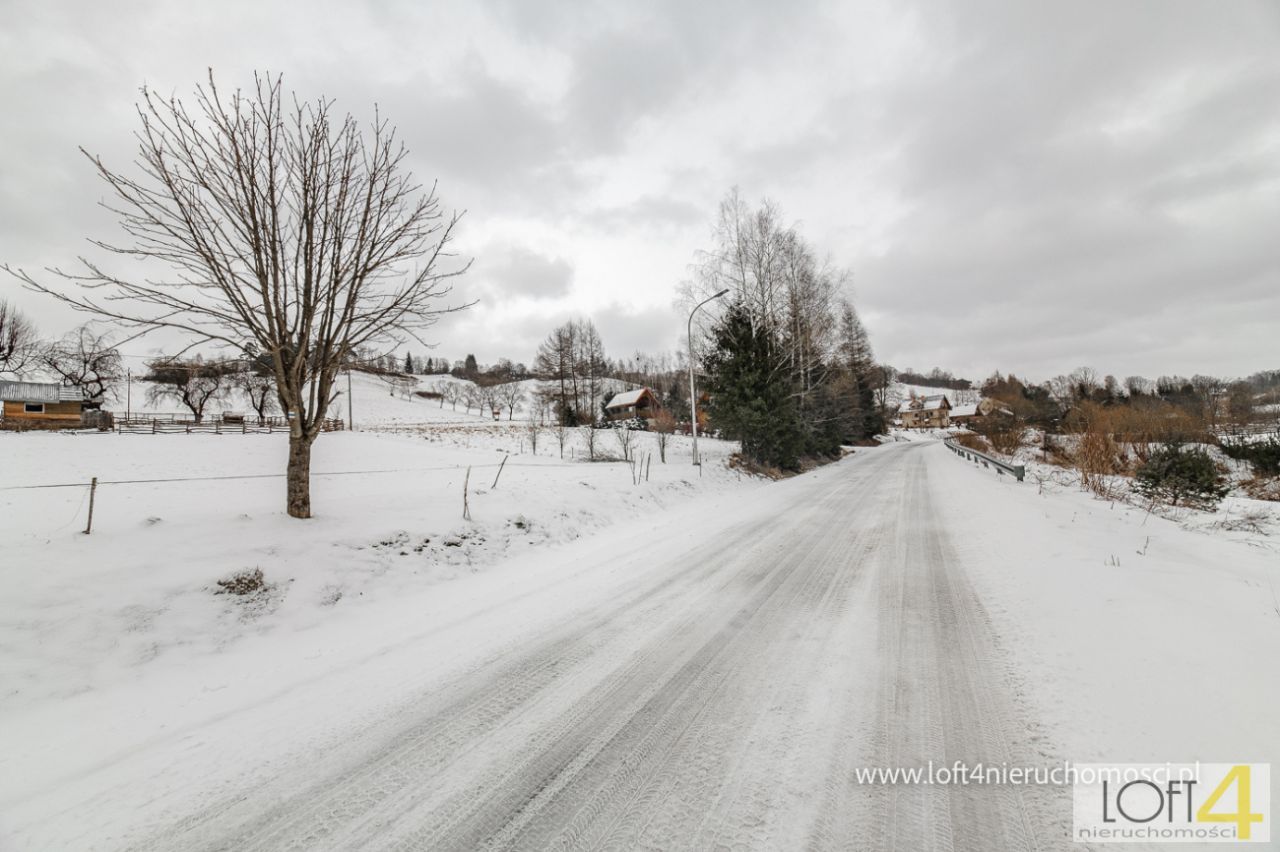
x: 1248, y: 430
x: 177, y: 424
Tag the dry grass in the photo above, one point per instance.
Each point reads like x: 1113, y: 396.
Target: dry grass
x: 738, y: 462
x: 1262, y: 488
x: 243, y: 583
x: 1115, y: 440
x: 973, y: 442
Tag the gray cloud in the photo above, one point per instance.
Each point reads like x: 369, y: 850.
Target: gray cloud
x: 1022, y: 186
x: 506, y: 271
x: 627, y: 330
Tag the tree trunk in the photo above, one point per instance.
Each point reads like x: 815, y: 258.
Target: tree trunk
x: 299, y: 477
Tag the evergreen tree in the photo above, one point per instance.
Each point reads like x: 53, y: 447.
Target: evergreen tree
x: 470, y: 368
x: 750, y: 393
x: 408, y: 364
x: 865, y: 418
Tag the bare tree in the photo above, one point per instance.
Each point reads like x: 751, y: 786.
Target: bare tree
x: 663, y: 425
x: 192, y: 383
x: 285, y: 228
x: 562, y: 434
x: 259, y: 388
x: 884, y: 377
x: 554, y: 363
x: 572, y: 358
x: 488, y: 400
x: 84, y: 359
x: 452, y: 392
x: 626, y: 438
x: 399, y: 385
x: 589, y: 435
x: 471, y: 397
x: 511, y: 395
x: 19, y: 343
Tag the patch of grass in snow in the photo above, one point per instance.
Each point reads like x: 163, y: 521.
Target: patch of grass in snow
x: 252, y: 595
x: 243, y: 583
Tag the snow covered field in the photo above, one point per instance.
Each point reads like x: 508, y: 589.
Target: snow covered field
x: 176, y: 513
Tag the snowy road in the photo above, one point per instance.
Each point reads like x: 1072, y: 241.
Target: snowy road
x: 718, y: 692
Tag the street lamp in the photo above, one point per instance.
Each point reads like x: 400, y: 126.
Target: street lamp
x: 693, y: 390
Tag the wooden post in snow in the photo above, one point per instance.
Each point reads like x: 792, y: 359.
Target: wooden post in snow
x: 93, y: 490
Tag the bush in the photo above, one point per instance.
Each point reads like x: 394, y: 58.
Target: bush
x: 1264, y: 456
x: 1003, y: 432
x: 1181, y: 476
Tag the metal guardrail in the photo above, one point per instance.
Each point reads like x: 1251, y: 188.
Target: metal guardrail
x: 1018, y: 471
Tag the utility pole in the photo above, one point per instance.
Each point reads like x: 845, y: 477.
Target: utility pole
x: 693, y: 389
x: 128, y: 393
x: 351, y: 423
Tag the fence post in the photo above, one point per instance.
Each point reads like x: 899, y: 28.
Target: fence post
x: 93, y: 490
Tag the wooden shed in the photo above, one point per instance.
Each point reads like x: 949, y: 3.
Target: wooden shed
x: 42, y: 404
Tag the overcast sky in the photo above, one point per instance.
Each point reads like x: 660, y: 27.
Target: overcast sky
x: 1024, y: 186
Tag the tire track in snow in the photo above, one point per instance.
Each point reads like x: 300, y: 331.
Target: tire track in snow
x: 940, y: 696
x: 721, y: 702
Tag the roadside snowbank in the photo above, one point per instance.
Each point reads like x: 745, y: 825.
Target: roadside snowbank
x: 1137, y: 638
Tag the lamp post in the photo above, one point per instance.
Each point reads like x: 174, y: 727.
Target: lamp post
x: 693, y: 390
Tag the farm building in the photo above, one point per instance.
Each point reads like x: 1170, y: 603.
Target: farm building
x: 926, y: 412
x: 42, y: 405
x: 642, y: 403
x: 963, y: 415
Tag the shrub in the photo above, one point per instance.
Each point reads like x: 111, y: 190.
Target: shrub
x: 1003, y: 432
x: 1264, y: 456
x: 1181, y: 476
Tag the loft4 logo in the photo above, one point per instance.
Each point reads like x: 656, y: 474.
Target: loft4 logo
x: 1172, y: 802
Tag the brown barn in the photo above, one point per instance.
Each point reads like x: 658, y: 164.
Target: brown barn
x: 642, y: 403
x: 38, y: 404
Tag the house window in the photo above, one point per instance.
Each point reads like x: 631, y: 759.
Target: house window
x: 33, y: 407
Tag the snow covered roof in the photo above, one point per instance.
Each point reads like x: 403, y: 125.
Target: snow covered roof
x: 970, y: 410
x: 39, y: 392
x: 933, y: 403
x: 630, y: 397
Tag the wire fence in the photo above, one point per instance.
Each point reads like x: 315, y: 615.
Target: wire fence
x: 314, y: 474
